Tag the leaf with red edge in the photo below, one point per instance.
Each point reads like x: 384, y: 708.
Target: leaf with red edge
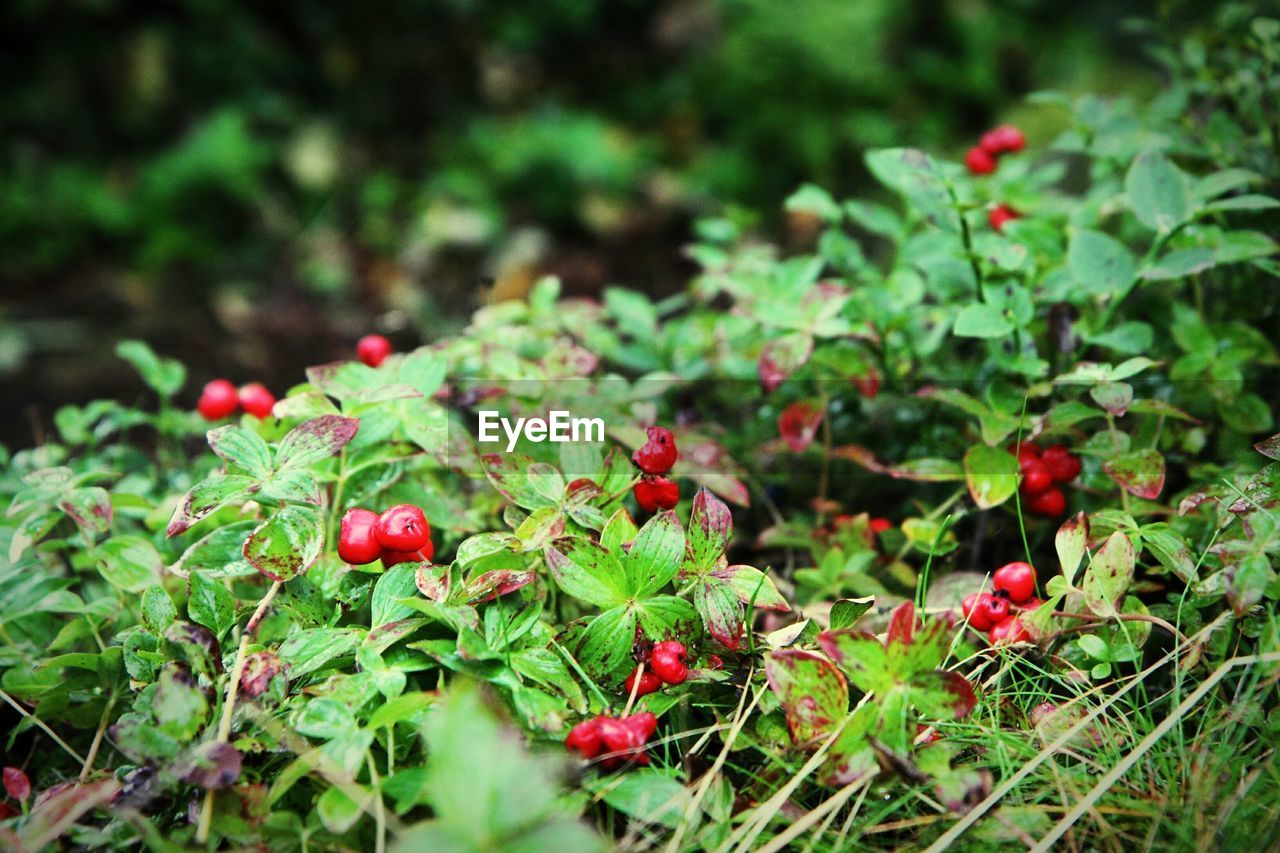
x: 433, y: 581
x: 1139, y: 472
x: 286, y: 544
x: 753, y: 587
x: 813, y: 693
x: 1109, y: 575
x: 1262, y: 491
x: 782, y: 357
x: 207, y: 496
x: 509, y: 474
x: 710, y: 527
x: 314, y: 440
x: 902, y: 625
x: 89, y: 508
x: 1115, y: 397
x: 861, y: 656
x: 499, y: 582
x: 16, y: 784
x: 798, y: 424
x: 59, y: 807
x: 721, y: 612
x: 1269, y: 447
x: 1070, y: 542
x: 942, y: 695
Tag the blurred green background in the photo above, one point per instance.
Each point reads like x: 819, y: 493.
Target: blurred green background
x: 250, y: 186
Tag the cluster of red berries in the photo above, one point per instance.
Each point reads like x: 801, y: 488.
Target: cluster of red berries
x: 399, y: 535
x: 997, y: 612
x: 373, y: 350
x: 1005, y: 139
x: 655, y: 491
x: 220, y: 399
x: 1042, y: 472
x: 666, y: 666
x: 614, y: 741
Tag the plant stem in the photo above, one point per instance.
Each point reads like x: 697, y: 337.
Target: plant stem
x: 228, y: 707
x: 379, y: 808
x: 635, y: 690
x: 97, y: 738
x: 40, y: 724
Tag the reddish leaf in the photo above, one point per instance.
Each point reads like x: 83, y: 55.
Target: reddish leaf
x: 59, y: 807
x: 721, y: 611
x: 1269, y: 447
x: 902, y: 625
x: 1139, y: 472
x: 942, y: 695
x: 433, y: 582
x: 782, y: 357
x: 710, y: 526
x: 211, y: 765
x: 798, y: 424
x: 812, y: 691
x: 259, y: 669
x: 491, y: 585
x: 16, y: 784
x: 314, y: 440
x: 1262, y: 491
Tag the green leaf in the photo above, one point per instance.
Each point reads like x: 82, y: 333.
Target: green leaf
x: 241, y: 448
x: 665, y: 616
x: 286, y: 544
x: 649, y: 795
x: 991, y: 474
x: 130, y: 563
x: 323, y: 718
x: 165, y: 376
x: 339, y: 811
x: 847, y: 611
x: 1139, y: 472
x: 619, y: 530
x: 158, y: 610
x: 1100, y: 264
x: 292, y: 485
x: 811, y: 198
x: 509, y: 474
x: 782, y: 357
x: 1248, y: 201
x: 753, y: 587
x: 721, y: 611
x: 587, y: 572
x: 981, y: 320
x: 314, y: 440
x: 1115, y: 397
x: 1158, y: 192
x: 309, y: 650
x: 861, y: 656
x: 606, y: 643
x: 218, y: 554
x: 207, y: 496
x: 1109, y: 575
x: 942, y: 695
x: 209, y: 604
x: 396, y: 583
x: 1170, y: 549
x: 813, y: 693
x: 917, y: 176
x: 655, y: 555
x: 1094, y: 646
x: 476, y: 548
x: 1070, y: 542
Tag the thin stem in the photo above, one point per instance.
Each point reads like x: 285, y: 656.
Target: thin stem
x: 1123, y: 617
x: 97, y: 738
x: 379, y: 808
x: 635, y: 691
x: 40, y: 724
x: 228, y: 707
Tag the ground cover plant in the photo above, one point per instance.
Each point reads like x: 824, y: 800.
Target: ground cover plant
x: 956, y: 525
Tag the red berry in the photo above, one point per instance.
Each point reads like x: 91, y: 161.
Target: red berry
x: 625, y: 742
x: 659, y: 453
x: 403, y: 528
x: 1061, y: 462
x: 999, y: 215
x: 979, y: 161
x: 16, y: 784
x: 669, y: 667
x: 257, y: 400
x: 880, y: 525
x: 218, y: 400
x: 1035, y: 477
x: 373, y: 349
x: 1025, y: 451
x: 1005, y: 139
x: 974, y: 609
x: 584, y: 738
x: 395, y: 558
x: 655, y: 493
x: 1010, y: 630
x: 643, y: 724
x: 357, y: 542
x: 674, y: 647
x: 1016, y: 580
x: 649, y: 683
x: 1031, y: 603
x: 1050, y: 503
